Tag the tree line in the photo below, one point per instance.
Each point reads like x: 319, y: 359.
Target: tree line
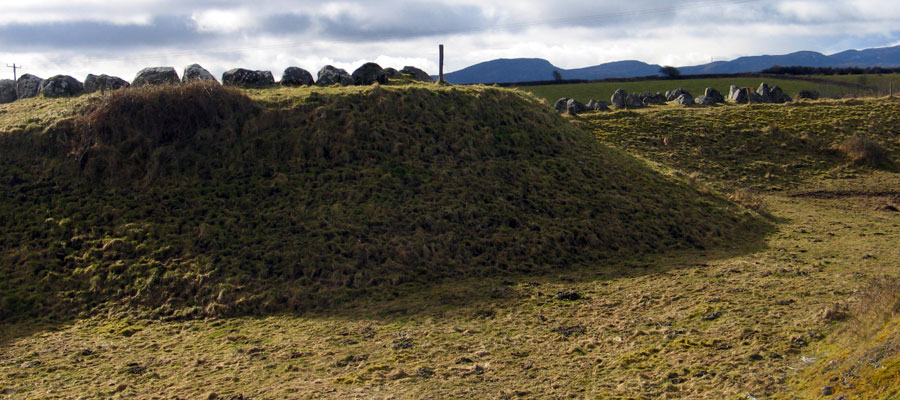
x: 799, y: 70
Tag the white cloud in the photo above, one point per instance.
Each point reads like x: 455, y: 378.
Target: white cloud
x: 394, y: 33
x: 223, y: 21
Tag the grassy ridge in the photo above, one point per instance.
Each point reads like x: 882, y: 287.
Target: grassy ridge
x: 872, y: 85
x: 195, y: 201
x: 761, y: 146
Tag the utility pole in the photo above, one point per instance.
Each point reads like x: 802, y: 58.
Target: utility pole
x: 14, y: 68
x: 441, y: 64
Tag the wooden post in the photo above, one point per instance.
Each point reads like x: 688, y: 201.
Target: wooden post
x: 891, y: 95
x: 441, y: 64
x: 14, y: 68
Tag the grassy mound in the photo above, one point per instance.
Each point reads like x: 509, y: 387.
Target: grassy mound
x: 198, y: 200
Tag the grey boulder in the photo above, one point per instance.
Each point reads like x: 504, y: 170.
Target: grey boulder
x: 246, y: 78
x: 154, y: 76
x: 561, y: 105
x: 731, y: 90
x: 296, y: 76
x: 575, y: 107
x: 685, y: 100
x: 633, y: 100
x: 713, y: 95
x: 675, y: 94
x: 391, y: 72
x: 739, y: 95
x: 597, y: 105
x: 61, y: 86
x: 618, y: 98
x: 330, y: 75
x: 756, y: 97
x: 28, y: 86
x: 7, y: 91
x: 368, y: 74
x: 649, y: 98
x: 776, y: 95
x: 196, y: 73
x: 763, y: 92
x: 416, y: 74
x: 705, y: 100
x: 93, y: 83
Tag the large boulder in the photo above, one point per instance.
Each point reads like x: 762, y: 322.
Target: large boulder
x: 391, y: 72
x: 561, y: 105
x: 618, y: 99
x: 330, y: 75
x: 649, y: 98
x: 633, y: 100
x: 756, y: 97
x: 713, y: 95
x: 739, y: 95
x: 685, y: 100
x: 103, y: 83
x: 776, y: 95
x: 155, y: 76
x: 575, y: 107
x: 196, y: 73
x: 368, y: 74
x: 246, y: 78
x: 296, y: 76
x: 597, y: 105
x: 61, y: 86
x: 28, y: 86
x: 674, y: 94
x: 731, y: 91
x: 7, y: 91
x: 763, y: 92
x: 416, y: 74
x: 705, y: 100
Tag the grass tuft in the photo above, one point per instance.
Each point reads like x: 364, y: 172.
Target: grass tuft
x: 878, y: 303
x: 749, y: 198
x: 862, y: 150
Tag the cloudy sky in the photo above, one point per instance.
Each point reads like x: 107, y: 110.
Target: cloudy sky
x: 77, y: 37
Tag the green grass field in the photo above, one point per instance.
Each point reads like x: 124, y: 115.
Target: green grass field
x: 874, y: 85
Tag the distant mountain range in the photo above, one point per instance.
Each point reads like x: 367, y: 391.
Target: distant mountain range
x: 536, y: 69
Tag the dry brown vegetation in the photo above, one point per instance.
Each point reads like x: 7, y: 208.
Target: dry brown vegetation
x: 875, y: 305
x: 862, y: 150
x: 751, y: 199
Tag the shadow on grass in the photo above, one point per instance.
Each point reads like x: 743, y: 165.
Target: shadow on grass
x: 454, y: 295
x: 477, y: 294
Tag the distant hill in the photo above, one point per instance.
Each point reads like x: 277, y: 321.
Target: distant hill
x: 535, y: 69
x: 505, y: 70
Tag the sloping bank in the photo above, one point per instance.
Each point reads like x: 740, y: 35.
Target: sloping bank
x: 198, y: 200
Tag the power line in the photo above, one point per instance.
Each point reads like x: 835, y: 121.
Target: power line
x: 471, y: 29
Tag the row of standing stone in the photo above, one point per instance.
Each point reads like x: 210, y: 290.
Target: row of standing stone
x: 624, y: 100
x: 66, y: 86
